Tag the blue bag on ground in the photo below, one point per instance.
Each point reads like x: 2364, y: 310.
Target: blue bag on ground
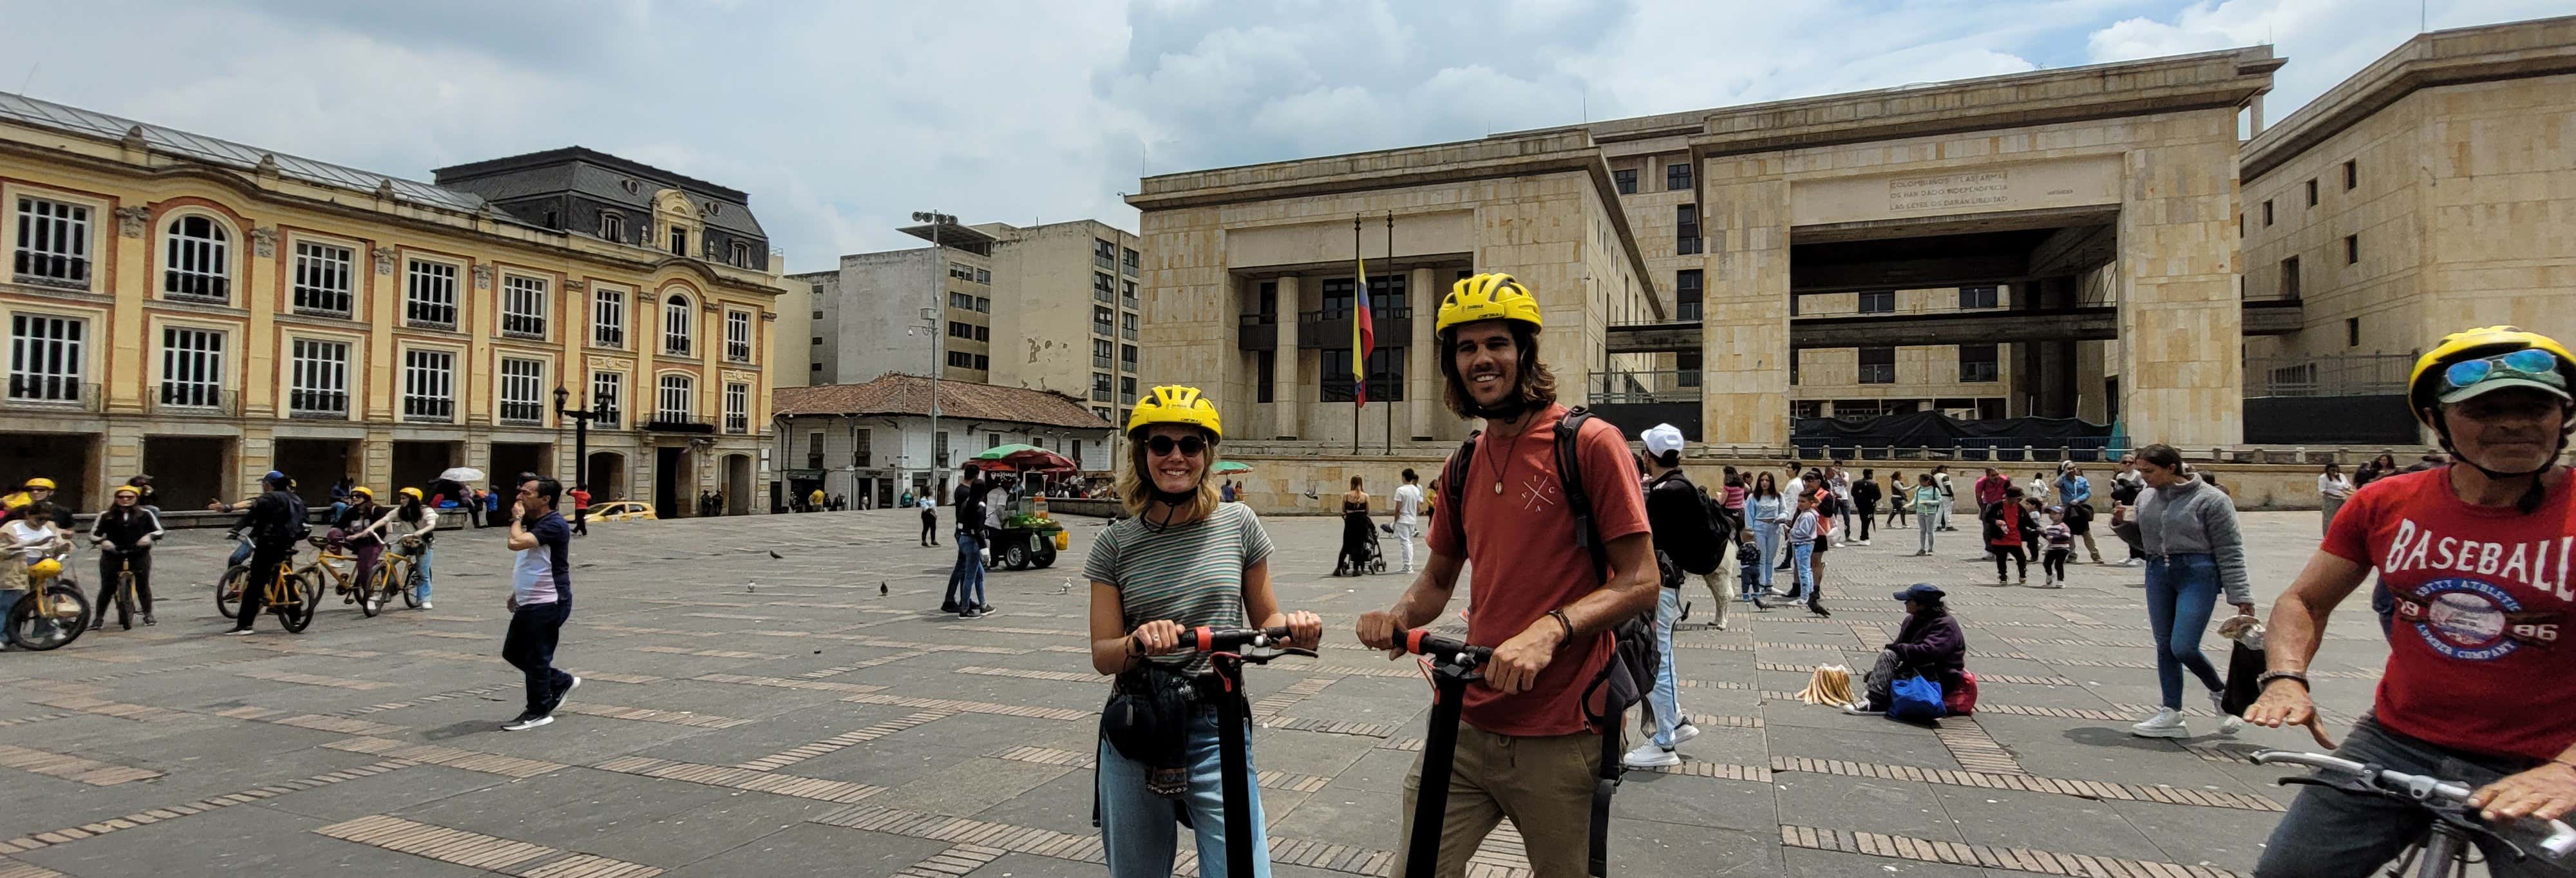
x: 1915, y: 698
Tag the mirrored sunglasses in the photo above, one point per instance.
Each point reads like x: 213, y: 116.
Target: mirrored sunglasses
x: 1191, y: 446
x: 2528, y: 361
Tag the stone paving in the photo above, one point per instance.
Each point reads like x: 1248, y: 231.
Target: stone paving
x: 808, y: 714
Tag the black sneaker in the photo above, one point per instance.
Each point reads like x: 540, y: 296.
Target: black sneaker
x: 147, y: 619
x: 971, y: 613
x: 525, y: 722
x: 949, y: 607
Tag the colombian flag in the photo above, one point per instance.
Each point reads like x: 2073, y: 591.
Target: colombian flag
x: 1363, y: 332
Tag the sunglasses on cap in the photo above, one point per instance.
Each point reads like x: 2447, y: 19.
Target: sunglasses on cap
x: 2532, y: 362
x: 1191, y: 446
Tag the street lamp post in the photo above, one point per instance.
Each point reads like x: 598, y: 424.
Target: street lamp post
x: 936, y: 221
x: 580, y: 436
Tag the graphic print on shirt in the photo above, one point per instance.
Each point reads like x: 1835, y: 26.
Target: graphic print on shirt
x: 1538, y: 491
x: 2470, y: 615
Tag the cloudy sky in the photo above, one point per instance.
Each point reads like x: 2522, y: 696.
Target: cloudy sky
x: 841, y: 118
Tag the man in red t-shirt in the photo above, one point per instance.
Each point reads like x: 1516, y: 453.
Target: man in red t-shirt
x: 2479, y: 686
x: 1525, y: 750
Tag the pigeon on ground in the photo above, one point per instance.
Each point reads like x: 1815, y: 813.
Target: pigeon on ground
x: 881, y: 587
x: 774, y: 554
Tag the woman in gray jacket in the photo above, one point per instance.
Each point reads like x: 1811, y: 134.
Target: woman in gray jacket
x: 2188, y: 529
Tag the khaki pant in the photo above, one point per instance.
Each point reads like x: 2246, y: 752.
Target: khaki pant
x: 1543, y: 784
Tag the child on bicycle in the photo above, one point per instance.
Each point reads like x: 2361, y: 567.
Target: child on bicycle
x: 29, y: 539
x: 123, y: 534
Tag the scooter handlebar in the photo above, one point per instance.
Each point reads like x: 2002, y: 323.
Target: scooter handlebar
x: 1206, y: 639
x: 1420, y: 641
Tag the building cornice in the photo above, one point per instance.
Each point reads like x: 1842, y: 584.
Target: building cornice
x: 2451, y: 57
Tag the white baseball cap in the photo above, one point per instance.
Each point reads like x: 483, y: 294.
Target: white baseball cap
x: 1661, y: 438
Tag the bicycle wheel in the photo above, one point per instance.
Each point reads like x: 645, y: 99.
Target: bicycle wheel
x: 49, y: 620
x: 125, y: 600
x: 228, y: 589
x: 304, y: 594
x: 368, y: 588
x: 411, y: 585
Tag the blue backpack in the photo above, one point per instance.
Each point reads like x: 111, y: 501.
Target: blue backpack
x: 1916, y: 699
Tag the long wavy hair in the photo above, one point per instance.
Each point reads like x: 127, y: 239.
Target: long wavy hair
x: 1537, y: 383
x: 1136, y: 491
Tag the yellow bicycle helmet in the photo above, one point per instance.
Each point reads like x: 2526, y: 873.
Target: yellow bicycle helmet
x: 122, y: 490
x: 363, y: 491
x: 1494, y: 296
x: 45, y: 569
x: 413, y: 493
x: 40, y: 483
x: 1175, y: 404
x: 2425, y: 386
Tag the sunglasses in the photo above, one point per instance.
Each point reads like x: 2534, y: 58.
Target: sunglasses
x: 1190, y: 446
x: 2528, y: 361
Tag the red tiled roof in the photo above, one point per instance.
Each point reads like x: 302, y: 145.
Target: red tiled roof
x: 895, y: 393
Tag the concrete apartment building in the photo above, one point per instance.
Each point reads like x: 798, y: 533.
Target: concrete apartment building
x: 205, y: 311
x: 2433, y: 191
x: 875, y: 440
x: 1052, y: 307
x: 2097, y: 203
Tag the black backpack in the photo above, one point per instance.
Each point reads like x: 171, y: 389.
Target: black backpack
x: 1712, y: 535
x: 1624, y: 680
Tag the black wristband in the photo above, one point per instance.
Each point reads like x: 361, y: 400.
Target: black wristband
x: 2266, y: 679
x: 1569, y: 627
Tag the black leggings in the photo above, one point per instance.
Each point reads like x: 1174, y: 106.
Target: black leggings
x: 2014, y: 552
x: 929, y: 528
x: 109, y: 564
x: 1868, y: 512
x: 263, y: 570
x: 2054, y: 563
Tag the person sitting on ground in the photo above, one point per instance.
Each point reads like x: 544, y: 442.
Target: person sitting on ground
x: 1929, y: 643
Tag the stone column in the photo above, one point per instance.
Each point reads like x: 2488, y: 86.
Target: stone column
x: 1422, y: 357
x: 2181, y: 324
x: 1744, y: 343
x: 1285, y: 412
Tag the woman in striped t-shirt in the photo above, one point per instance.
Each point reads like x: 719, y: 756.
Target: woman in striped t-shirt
x: 1181, y: 559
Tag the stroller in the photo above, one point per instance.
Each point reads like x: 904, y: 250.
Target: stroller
x: 1361, y: 553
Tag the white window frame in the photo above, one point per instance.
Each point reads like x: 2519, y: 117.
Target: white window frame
x: 48, y: 358
x: 737, y: 348
x: 664, y: 395
x: 414, y: 303
x: 524, y: 299
x: 314, y: 266
x: 428, y: 390
x: 205, y: 262
x: 737, y: 407
x: 56, y: 237
x: 308, y: 373
x: 615, y: 384
x: 741, y: 253
x: 612, y: 226
x: 679, y: 323
x: 521, y: 382
x: 192, y: 375
x: 608, y: 311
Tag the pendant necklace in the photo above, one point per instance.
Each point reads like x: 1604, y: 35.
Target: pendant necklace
x: 1504, y: 469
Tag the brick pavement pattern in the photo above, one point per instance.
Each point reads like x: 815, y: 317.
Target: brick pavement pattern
x: 812, y: 714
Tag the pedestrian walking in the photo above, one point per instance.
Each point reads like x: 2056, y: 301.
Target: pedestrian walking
x: 2009, y: 532
x: 1789, y: 494
x: 2075, y: 494
x: 1949, y: 497
x: 2038, y: 487
x: 540, y: 599
x: 1990, y: 490
x: 1769, y: 512
x: 1690, y: 542
x: 2126, y: 486
x: 1408, y: 509
x: 2194, y: 551
x: 1528, y: 748
x: 966, y: 576
x: 581, y: 510
x: 1864, y: 495
x: 2058, y: 542
x: 1928, y: 504
x: 929, y: 520
x: 1841, y: 481
x: 2332, y: 490
x: 1900, y: 499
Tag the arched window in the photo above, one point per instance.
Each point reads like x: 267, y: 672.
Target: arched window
x: 197, y: 259
x: 677, y: 319
x: 672, y: 403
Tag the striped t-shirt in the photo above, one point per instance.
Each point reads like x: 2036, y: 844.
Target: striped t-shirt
x: 1189, y: 573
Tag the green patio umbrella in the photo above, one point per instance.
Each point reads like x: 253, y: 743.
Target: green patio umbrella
x: 1001, y: 451
x: 1233, y: 466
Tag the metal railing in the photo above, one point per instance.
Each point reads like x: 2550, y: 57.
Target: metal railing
x: 195, y: 400
x: 2333, y: 375
x: 61, y: 393
x: 1666, y: 385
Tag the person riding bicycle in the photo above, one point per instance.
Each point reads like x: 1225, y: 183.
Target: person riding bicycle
x: 2476, y: 687
x: 1180, y: 560
x: 409, y: 527
x: 353, y: 524
x: 1526, y: 748
x: 276, y: 521
x: 34, y: 491
x: 123, y: 534
x: 32, y: 551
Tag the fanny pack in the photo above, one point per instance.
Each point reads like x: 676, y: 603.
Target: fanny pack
x: 1147, y: 719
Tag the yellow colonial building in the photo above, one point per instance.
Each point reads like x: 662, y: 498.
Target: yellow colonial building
x: 205, y: 311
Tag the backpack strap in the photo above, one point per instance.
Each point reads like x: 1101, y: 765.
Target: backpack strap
x: 1455, y: 476
x: 1578, y: 502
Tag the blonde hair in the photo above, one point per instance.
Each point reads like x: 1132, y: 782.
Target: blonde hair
x: 1136, y: 492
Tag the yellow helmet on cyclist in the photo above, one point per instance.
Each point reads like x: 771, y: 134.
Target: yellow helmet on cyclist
x: 363, y: 491
x: 2474, y: 362
x: 45, y: 569
x: 1175, y: 404
x: 413, y: 493
x: 1494, y: 296
x: 122, y: 490
x: 40, y: 483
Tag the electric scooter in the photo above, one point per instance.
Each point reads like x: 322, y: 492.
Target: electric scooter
x: 1453, y: 666
x: 1229, y: 649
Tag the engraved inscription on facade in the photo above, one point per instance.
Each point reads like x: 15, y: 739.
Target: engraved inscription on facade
x: 1972, y: 189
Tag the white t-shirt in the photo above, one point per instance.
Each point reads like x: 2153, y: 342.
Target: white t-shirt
x: 2333, y: 487
x: 2038, y: 487
x: 21, y: 534
x: 1796, y: 488
x: 1408, y: 503
x: 995, y: 501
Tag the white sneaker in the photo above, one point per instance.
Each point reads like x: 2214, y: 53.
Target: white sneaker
x: 2228, y: 723
x: 526, y: 722
x: 1864, y: 542
x: 1647, y: 755
x: 424, y: 605
x: 1684, y: 732
x: 1858, y: 709
x: 2167, y: 723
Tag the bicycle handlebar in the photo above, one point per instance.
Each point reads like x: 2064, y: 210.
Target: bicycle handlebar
x: 1420, y: 641
x: 2560, y: 841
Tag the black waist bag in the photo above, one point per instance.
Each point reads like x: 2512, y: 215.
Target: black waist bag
x: 1148, y: 720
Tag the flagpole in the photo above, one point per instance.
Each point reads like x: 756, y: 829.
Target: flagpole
x: 1359, y: 278
x: 1409, y: 295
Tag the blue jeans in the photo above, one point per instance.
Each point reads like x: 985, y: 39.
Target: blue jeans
x: 1803, y: 564
x: 241, y: 556
x: 1665, y: 700
x: 422, y: 561
x: 2331, y: 833
x: 966, y: 579
x: 1767, y: 535
x: 1140, y: 829
x: 2182, y: 590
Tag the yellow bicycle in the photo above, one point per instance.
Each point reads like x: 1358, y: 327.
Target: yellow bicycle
x: 51, y: 613
x: 397, y: 570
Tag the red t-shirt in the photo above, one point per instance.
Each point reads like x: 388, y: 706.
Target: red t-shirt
x: 2475, y: 660
x: 1991, y: 489
x: 1525, y: 561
